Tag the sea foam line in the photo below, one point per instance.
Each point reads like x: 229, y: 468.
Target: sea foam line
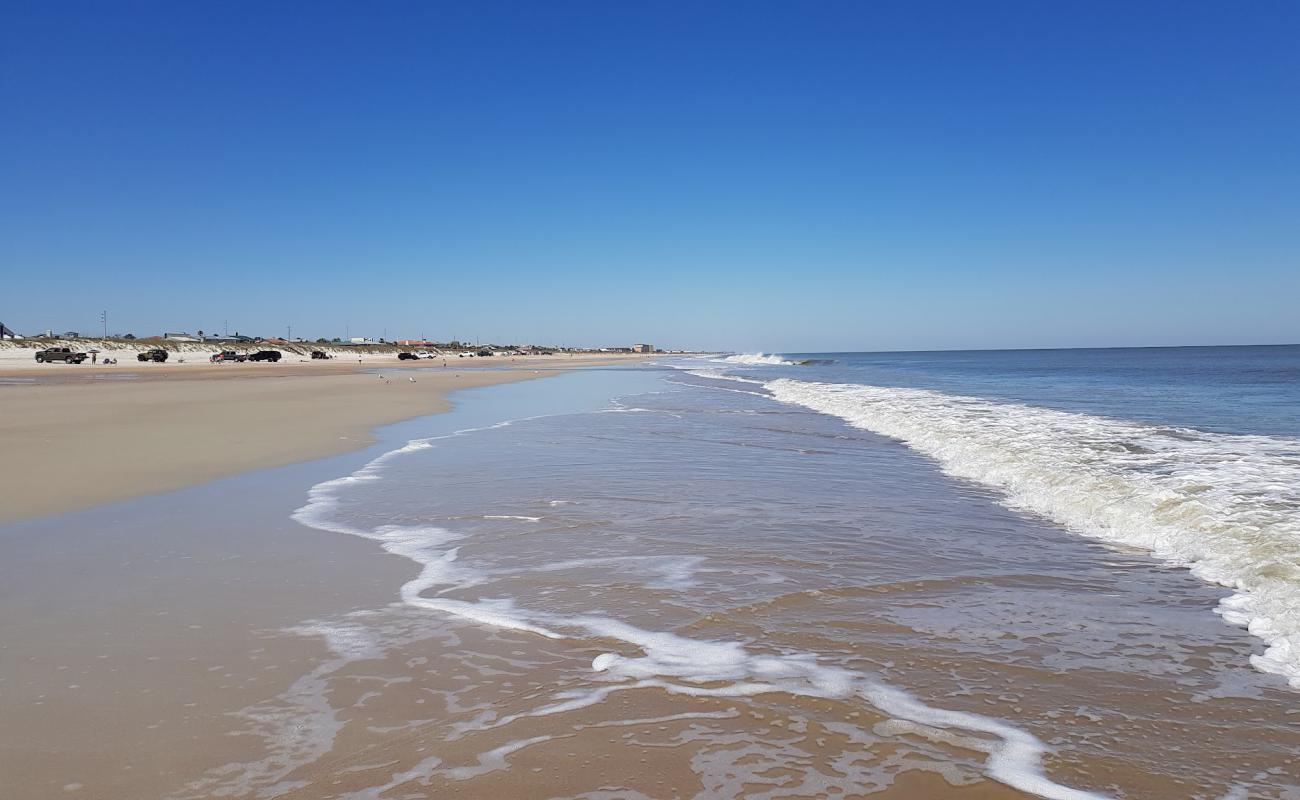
x: 755, y: 359
x: 1226, y: 506
x: 668, y: 662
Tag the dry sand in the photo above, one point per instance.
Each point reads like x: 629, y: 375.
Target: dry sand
x: 75, y: 436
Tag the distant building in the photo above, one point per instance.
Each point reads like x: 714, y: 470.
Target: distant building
x: 4, y: 331
x: 415, y: 343
x: 643, y: 348
x: 180, y: 337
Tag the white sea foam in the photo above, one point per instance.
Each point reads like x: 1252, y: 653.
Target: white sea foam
x: 755, y: 359
x: 676, y: 572
x: 1226, y: 506
x: 664, y: 660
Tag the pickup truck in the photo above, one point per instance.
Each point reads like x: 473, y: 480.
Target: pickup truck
x: 227, y: 355
x: 64, y: 354
x: 265, y: 355
x: 158, y: 355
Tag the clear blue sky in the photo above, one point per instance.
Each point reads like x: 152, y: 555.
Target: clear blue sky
x: 781, y: 176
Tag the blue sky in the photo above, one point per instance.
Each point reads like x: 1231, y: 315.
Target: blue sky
x: 780, y: 176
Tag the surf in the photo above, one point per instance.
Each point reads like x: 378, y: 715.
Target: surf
x: 1225, y: 506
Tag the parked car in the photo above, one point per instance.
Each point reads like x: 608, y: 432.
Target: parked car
x: 319, y: 354
x: 265, y: 355
x: 484, y: 353
x: 227, y: 355
x: 406, y: 356
x: 158, y: 355
x: 65, y: 354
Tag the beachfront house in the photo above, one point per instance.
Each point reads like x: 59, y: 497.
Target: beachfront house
x: 643, y: 348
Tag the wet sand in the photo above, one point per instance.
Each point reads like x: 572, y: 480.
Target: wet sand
x: 77, y: 436
x: 168, y: 647
x: 202, y: 643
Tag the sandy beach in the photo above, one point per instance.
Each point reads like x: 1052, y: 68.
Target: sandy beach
x: 77, y: 436
x: 640, y: 583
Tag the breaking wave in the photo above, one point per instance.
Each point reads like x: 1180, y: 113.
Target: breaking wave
x: 1226, y: 506
x: 756, y: 358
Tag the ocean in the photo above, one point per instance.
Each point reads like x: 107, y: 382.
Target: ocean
x: 1060, y: 574
x: 1067, y: 573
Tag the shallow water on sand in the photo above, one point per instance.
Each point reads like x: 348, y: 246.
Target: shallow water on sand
x: 649, y: 583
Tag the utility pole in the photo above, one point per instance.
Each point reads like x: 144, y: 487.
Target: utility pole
x: 290, y: 333
x: 103, y: 318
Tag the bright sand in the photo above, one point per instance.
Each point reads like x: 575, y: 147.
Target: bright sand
x: 76, y: 436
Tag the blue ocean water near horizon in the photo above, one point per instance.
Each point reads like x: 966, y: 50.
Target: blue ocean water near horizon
x: 1249, y: 389
x: 810, y: 575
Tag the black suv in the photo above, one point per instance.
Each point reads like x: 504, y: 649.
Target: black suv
x: 64, y: 354
x: 406, y: 356
x: 158, y: 356
x: 265, y: 355
x: 227, y: 355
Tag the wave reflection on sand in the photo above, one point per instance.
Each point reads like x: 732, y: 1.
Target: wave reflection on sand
x: 834, y: 617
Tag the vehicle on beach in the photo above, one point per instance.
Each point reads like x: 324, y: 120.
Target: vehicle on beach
x: 485, y: 353
x: 158, y: 355
x: 406, y: 356
x: 227, y: 355
x: 265, y: 355
x: 315, y: 354
x: 65, y: 354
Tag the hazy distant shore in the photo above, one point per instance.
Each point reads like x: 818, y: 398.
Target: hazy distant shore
x: 77, y: 436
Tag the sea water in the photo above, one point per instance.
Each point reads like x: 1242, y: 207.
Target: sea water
x: 1067, y: 574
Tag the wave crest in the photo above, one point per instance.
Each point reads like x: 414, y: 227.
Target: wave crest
x: 1226, y: 506
x: 756, y: 358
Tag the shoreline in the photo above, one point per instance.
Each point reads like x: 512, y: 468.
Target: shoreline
x: 77, y: 438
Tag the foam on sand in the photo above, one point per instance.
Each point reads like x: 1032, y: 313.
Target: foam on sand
x: 1226, y: 506
x: 649, y: 659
